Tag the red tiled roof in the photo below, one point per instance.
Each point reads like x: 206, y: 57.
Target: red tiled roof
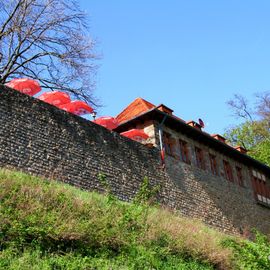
x: 181, y: 126
x: 135, y: 108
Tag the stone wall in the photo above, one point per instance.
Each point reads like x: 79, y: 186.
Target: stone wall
x: 200, y: 194
x: 41, y: 139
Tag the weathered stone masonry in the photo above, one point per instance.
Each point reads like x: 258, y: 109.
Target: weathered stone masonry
x: 41, y: 139
x: 44, y: 140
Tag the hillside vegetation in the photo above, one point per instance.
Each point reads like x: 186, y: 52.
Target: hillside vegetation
x: 50, y: 225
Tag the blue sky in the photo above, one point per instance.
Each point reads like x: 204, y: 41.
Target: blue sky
x: 191, y: 55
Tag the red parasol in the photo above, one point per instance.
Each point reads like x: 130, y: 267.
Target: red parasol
x: 108, y: 122
x: 26, y: 86
x: 55, y: 98
x: 77, y: 107
x: 135, y: 134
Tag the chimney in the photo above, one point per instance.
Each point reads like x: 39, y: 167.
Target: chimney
x: 241, y: 149
x: 219, y: 137
x: 194, y: 124
x: 165, y: 109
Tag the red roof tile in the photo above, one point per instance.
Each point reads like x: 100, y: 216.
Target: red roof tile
x: 135, y: 108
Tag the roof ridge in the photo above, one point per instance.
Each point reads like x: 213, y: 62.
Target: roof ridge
x: 139, y: 102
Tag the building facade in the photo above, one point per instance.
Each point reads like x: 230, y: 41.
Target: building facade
x: 185, y: 145
x: 199, y: 175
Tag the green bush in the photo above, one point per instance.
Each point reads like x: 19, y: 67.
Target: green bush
x: 50, y: 225
x: 251, y: 255
x: 136, y: 259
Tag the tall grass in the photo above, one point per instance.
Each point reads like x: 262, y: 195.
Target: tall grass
x: 50, y: 225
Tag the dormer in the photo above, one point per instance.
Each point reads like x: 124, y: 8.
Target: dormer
x: 194, y: 124
x: 165, y: 109
x: 240, y: 149
x: 219, y: 138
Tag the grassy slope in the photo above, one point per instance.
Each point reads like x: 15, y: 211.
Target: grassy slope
x: 49, y: 225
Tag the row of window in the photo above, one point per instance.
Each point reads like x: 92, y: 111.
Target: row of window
x: 170, y: 148
x: 261, y: 190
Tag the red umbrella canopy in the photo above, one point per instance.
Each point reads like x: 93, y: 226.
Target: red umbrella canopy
x: 77, y: 107
x: 26, y: 86
x: 55, y: 98
x: 108, y: 122
x: 135, y: 134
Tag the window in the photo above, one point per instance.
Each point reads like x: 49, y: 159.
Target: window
x: 199, y: 158
x: 228, y: 170
x: 213, y: 164
x: 169, y: 143
x: 184, y: 151
x: 239, y: 176
x: 261, y: 190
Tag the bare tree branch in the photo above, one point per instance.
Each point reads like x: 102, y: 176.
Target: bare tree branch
x: 240, y: 107
x: 263, y: 105
x: 2, y: 31
x: 48, y: 40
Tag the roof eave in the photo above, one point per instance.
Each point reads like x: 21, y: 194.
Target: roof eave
x: 197, y: 134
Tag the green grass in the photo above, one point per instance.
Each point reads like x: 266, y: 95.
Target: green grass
x: 50, y: 225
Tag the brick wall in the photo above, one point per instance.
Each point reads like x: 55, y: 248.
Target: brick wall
x: 41, y: 139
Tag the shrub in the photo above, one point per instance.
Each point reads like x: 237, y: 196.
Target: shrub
x: 50, y: 225
x: 251, y: 255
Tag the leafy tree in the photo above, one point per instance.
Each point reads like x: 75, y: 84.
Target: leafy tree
x: 47, y: 40
x: 254, y: 133
x: 262, y: 152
